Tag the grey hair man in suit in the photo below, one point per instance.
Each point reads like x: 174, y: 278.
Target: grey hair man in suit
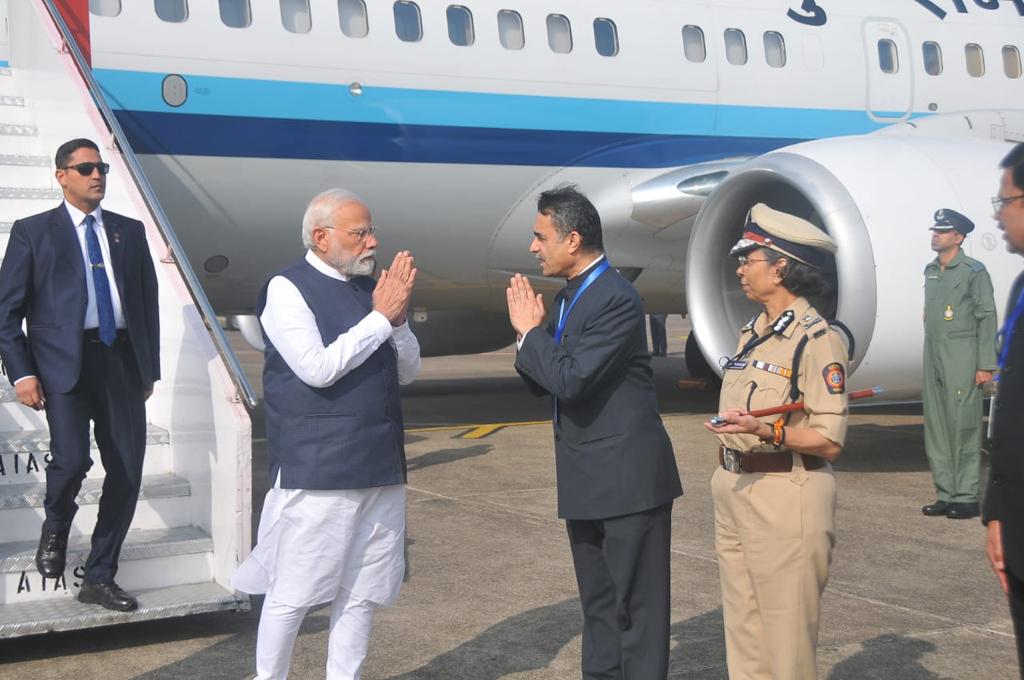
x: 83, y: 279
x: 616, y: 472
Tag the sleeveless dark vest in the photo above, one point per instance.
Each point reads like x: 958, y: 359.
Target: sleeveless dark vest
x: 345, y: 436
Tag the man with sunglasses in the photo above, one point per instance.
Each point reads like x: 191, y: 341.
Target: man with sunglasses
x: 1003, y: 509
x: 83, y: 279
x: 333, y: 523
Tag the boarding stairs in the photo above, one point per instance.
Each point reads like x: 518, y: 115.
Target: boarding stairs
x: 191, y: 526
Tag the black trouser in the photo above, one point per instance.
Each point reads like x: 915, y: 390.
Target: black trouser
x: 622, y: 568
x: 109, y: 394
x: 1016, y: 597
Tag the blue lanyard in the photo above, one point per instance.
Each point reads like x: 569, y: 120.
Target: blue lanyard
x: 1008, y: 328
x: 563, y: 313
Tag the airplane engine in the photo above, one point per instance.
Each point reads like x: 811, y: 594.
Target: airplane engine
x: 445, y: 331
x: 876, y: 196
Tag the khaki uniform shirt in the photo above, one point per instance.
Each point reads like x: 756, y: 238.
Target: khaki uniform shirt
x: 761, y: 379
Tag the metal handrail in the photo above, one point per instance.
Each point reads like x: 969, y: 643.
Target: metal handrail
x: 246, y: 392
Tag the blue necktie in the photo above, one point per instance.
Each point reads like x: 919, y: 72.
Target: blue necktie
x: 101, y: 285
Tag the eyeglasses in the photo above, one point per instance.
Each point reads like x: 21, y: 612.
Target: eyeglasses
x: 998, y: 203
x: 359, y: 234
x: 744, y: 260
x: 86, y: 169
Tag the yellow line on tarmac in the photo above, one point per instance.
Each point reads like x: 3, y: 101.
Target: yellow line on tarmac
x: 478, y: 431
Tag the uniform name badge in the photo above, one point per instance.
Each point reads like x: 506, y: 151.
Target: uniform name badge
x: 948, y: 314
x: 735, y: 365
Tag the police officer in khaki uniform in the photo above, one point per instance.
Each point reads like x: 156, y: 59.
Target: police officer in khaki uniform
x: 959, y: 357
x: 774, y: 491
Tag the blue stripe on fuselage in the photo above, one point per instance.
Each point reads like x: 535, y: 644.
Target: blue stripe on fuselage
x: 281, y: 119
x: 246, y: 137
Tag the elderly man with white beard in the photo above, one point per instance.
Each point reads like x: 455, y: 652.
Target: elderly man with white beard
x: 333, y: 523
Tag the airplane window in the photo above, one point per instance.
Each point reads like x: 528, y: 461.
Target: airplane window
x: 352, y: 15
x: 105, y: 8
x: 774, y: 49
x: 735, y: 46
x: 460, y: 25
x: 693, y: 44
x: 888, y: 58
x: 295, y: 16
x: 932, y: 58
x: 235, y: 13
x: 408, y: 24
x: 510, y: 30
x: 174, y: 11
x: 1011, y: 61
x: 975, y: 60
x: 559, y: 34
x: 606, y: 37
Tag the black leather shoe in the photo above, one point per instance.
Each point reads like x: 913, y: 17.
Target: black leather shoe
x: 962, y: 511
x: 935, y: 509
x: 108, y: 595
x: 50, y: 556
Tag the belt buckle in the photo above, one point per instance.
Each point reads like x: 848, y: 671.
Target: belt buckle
x: 732, y: 460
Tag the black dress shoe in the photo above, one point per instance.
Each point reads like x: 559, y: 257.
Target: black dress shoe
x: 51, y: 554
x: 962, y: 511
x: 935, y: 509
x: 107, y: 595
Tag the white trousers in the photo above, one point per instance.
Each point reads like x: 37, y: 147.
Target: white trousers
x: 351, y: 621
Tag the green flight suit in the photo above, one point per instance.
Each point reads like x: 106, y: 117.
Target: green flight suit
x: 959, y: 341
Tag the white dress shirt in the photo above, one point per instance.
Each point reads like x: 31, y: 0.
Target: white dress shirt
x: 291, y: 327
x: 92, y: 318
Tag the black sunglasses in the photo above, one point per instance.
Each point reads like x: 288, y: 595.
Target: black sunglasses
x: 86, y: 169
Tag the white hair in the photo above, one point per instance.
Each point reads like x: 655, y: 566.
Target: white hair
x: 321, y: 209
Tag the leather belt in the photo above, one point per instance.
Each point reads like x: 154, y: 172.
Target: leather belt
x: 93, y: 335
x: 739, y: 462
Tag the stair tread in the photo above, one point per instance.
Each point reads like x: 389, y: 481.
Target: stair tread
x: 30, y: 193
x: 139, y: 544
x: 31, y: 495
x: 37, y: 441
x: 24, y: 159
x: 65, y: 613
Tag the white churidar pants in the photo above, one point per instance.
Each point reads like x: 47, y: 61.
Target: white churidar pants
x: 345, y: 547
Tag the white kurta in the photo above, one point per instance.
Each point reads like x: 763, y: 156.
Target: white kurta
x: 312, y: 543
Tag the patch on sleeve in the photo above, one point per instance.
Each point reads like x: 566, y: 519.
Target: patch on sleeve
x: 835, y: 378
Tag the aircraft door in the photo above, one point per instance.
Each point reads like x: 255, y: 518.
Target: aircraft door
x: 890, y: 72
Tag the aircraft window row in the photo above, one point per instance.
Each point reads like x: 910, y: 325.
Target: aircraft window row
x: 931, y: 52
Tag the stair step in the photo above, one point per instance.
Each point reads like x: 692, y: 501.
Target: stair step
x: 25, y: 467
x: 23, y: 159
x: 14, y: 130
x: 31, y: 618
x: 164, y: 501
x: 11, y: 100
x: 37, y: 441
x: 166, y: 485
x: 30, y: 193
x: 140, y: 544
x: 154, y: 558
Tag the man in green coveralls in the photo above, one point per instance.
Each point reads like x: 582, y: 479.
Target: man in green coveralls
x: 959, y: 357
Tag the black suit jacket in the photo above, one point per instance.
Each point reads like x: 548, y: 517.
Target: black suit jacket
x: 612, y: 454
x: 1004, y: 497
x: 42, y: 280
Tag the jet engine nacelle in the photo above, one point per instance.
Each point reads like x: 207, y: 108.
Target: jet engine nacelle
x: 876, y: 196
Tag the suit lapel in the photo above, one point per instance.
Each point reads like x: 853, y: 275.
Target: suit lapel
x: 65, y: 242
x: 115, y: 241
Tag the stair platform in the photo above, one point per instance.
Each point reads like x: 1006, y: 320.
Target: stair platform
x: 33, y: 618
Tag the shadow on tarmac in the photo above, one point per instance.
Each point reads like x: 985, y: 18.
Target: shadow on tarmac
x: 887, y: 656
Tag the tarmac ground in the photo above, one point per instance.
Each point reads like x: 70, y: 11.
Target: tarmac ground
x: 490, y: 591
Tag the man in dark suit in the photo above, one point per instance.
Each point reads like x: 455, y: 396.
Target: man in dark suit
x: 1003, y: 508
x: 616, y: 472
x: 83, y: 280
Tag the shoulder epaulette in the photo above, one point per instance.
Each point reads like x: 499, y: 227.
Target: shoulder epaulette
x: 809, y: 321
x: 977, y: 266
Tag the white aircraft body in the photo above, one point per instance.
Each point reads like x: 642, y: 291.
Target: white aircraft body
x: 674, y: 116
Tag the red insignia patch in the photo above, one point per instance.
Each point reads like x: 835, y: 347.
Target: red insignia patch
x: 835, y: 378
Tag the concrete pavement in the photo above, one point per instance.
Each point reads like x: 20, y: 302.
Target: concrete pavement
x: 491, y: 592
